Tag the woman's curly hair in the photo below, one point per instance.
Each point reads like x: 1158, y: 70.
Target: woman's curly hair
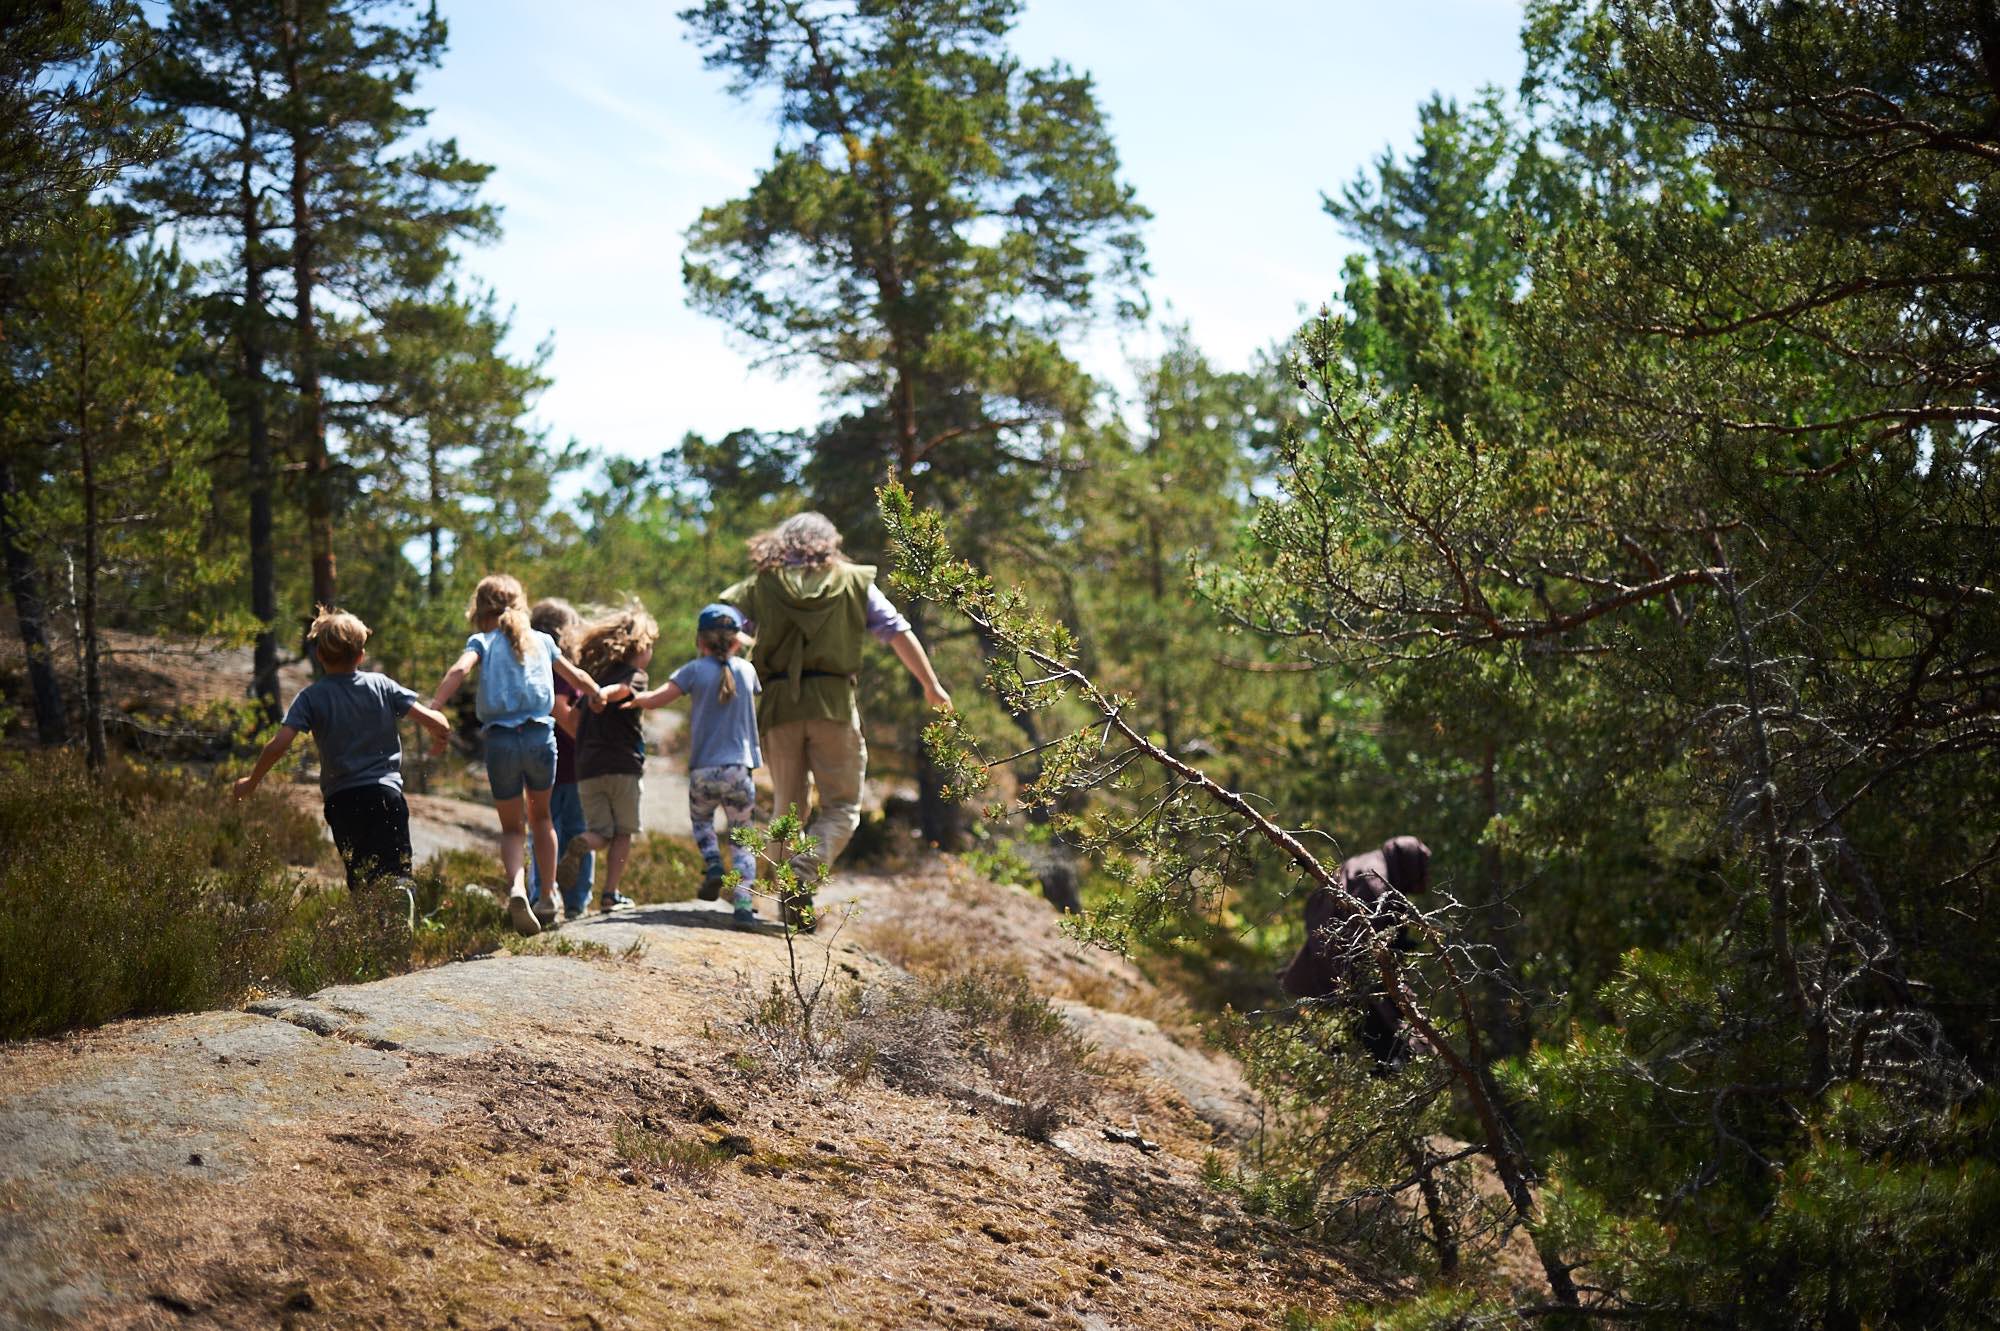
x: 804, y: 539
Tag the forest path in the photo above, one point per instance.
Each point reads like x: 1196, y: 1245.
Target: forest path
x: 551, y: 1141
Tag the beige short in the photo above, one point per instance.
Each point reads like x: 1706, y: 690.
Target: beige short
x: 610, y: 804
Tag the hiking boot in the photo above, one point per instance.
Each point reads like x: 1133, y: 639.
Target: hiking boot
x: 570, y: 864
x: 522, y: 915
x: 744, y: 916
x: 711, y: 883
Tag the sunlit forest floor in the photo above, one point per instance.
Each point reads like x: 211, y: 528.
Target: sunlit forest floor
x: 597, y: 1141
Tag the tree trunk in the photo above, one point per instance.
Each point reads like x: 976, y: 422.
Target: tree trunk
x: 433, y: 531
x: 312, y: 400
x: 25, y: 584
x: 1163, y: 649
x: 93, y: 684
x: 263, y: 556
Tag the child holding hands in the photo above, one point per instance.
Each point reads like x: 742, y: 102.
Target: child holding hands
x: 722, y: 689
x: 610, y: 751
x: 517, y: 669
x: 352, y: 718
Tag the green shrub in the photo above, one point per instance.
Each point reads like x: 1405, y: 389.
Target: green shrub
x: 450, y: 871
x: 150, y: 890
x: 661, y: 869
x: 120, y: 903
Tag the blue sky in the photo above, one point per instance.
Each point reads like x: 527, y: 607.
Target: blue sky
x: 1231, y: 119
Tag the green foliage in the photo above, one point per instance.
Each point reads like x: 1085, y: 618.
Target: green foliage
x: 115, y: 434
x: 148, y: 891
x: 662, y: 868
x: 1353, y: 1156
x: 69, y: 123
x: 857, y: 248
x: 686, y: 1161
x: 128, y: 897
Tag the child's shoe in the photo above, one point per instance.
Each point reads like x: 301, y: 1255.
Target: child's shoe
x: 522, y: 915
x: 744, y: 911
x: 711, y: 881
x: 545, y: 911
x: 614, y: 901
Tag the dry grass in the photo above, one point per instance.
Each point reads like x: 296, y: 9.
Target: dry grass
x: 528, y: 1204
x: 964, y: 922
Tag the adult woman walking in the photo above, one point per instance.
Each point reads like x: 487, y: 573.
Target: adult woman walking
x: 810, y: 610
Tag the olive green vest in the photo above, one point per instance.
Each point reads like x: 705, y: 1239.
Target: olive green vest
x: 811, y: 626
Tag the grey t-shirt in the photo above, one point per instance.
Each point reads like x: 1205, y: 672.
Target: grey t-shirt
x: 353, y: 719
x: 721, y: 734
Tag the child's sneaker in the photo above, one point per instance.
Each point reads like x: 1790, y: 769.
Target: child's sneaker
x: 711, y: 882
x: 614, y: 901
x: 522, y: 915
x: 545, y: 911
x: 570, y: 863
x: 744, y: 916
x: 742, y: 907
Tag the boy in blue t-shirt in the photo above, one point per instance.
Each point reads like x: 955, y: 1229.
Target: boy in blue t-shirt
x: 352, y: 718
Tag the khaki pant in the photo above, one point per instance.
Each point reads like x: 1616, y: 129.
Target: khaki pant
x: 835, y: 757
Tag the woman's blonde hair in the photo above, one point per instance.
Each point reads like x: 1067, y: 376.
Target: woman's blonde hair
x: 337, y: 637
x: 615, y: 638
x: 807, y: 539
x: 498, y: 602
x: 718, y: 643
x: 557, y: 618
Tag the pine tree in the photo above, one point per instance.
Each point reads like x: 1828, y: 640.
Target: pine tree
x: 120, y: 429
x: 69, y: 123
x: 935, y: 221
x: 296, y: 116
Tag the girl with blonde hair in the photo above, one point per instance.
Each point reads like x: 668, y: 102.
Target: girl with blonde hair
x: 517, y: 670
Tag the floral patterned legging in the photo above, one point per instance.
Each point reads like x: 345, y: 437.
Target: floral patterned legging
x: 730, y: 790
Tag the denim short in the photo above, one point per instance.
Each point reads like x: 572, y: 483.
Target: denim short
x: 520, y: 757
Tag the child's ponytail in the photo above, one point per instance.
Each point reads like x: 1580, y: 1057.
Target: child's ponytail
x: 499, y: 601
x: 718, y: 642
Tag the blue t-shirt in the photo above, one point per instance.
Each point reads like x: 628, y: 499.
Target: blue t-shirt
x: 352, y: 718
x: 723, y: 734
x: 514, y: 692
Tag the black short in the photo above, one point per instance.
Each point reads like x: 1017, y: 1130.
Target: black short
x: 371, y: 828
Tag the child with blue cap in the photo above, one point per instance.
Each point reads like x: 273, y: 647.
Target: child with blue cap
x: 721, y: 689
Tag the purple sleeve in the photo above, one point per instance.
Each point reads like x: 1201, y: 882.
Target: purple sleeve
x: 884, y: 620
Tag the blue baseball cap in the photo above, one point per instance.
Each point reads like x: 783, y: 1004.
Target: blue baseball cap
x: 718, y: 616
